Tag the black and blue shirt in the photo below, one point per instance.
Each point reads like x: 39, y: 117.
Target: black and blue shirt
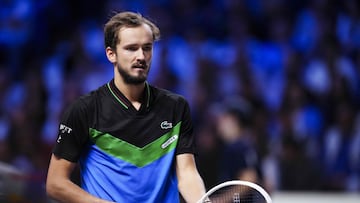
x: 127, y: 155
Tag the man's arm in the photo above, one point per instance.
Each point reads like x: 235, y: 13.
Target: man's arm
x: 61, y: 188
x: 191, y: 185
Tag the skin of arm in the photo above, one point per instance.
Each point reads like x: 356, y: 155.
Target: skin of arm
x: 59, y: 186
x: 248, y: 174
x: 190, y: 183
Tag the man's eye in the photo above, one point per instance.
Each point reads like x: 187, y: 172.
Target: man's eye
x: 147, y: 48
x: 131, y: 48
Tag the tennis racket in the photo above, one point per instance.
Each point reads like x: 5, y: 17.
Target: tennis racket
x: 236, y: 191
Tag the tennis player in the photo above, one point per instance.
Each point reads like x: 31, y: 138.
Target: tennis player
x: 133, y: 142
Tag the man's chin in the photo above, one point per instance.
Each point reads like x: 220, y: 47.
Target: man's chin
x: 134, y: 80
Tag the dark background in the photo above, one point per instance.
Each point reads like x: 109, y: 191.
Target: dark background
x: 297, y: 62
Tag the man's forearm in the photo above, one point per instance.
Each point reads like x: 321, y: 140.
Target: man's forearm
x: 68, y: 192
x: 192, y: 188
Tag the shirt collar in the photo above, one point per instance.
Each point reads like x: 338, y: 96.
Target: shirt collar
x: 120, y: 97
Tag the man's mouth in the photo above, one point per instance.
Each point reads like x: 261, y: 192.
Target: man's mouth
x: 140, y: 65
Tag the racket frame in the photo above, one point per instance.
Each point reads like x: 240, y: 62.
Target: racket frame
x: 237, y: 182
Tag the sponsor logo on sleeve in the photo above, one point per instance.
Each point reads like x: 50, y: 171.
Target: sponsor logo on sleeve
x: 63, y: 129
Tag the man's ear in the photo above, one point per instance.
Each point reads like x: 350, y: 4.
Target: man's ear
x: 110, y: 54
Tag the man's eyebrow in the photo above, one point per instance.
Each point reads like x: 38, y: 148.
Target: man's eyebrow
x: 130, y: 44
x: 147, y: 44
x: 135, y: 44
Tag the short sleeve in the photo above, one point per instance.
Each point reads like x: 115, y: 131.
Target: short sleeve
x: 73, y: 132
x: 186, y: 138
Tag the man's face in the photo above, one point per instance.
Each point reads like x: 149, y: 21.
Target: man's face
x: 134, y: 53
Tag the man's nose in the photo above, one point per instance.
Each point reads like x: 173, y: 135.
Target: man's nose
x: 140, y: 54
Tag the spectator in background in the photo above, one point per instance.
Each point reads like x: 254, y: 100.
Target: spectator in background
x: 239, y: 159
x: 342, y: 151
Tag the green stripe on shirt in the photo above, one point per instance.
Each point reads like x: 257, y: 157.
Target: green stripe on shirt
x: 133, y: 154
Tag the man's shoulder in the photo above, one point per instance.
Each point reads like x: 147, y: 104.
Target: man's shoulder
x: 88, y: 100
x: 161, y: 93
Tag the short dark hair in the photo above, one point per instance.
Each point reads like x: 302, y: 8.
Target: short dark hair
x: 241, y: 109
x: 126, y: 19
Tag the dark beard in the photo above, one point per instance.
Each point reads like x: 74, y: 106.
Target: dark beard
x: 128, y: 79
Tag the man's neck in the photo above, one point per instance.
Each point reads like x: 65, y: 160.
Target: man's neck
x: 133, y: 93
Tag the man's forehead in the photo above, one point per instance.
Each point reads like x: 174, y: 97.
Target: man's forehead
x: 142, y: 32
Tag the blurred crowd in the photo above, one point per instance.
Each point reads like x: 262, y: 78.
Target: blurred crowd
x: 296, y: 63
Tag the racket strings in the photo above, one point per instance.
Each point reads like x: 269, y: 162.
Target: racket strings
x: 237, y: 194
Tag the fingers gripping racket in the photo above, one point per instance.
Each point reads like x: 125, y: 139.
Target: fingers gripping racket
x: 236, y: 191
